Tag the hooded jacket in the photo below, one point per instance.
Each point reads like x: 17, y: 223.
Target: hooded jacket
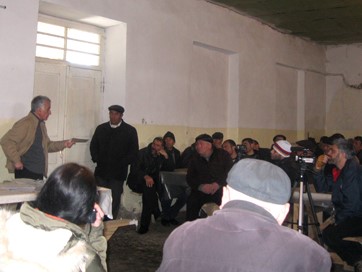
x: 33, y: 241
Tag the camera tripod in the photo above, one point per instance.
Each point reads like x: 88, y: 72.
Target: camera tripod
x: 305, y: 186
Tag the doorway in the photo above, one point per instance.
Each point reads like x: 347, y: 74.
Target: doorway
x: 76, y: 95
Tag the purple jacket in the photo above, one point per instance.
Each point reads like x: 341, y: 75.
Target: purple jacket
x: 241, y: 237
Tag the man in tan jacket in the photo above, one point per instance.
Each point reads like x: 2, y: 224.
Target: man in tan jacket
x: 26, y: 144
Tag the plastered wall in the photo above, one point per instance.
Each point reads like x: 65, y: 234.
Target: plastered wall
x: 192, y: 67
x: 344, y: 89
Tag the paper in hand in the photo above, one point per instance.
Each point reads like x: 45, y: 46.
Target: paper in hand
x: 79, y: 140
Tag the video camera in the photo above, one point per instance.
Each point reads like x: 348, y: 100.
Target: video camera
x: 305, y: 157
x: 241, y: 151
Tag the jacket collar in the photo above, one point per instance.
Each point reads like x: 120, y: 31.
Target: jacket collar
x: 40, y: 220
x: 251, y: 207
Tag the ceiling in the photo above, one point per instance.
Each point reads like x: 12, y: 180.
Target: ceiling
x: 329, y: 22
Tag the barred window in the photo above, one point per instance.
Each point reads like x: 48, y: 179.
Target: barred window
x: 68, y: 44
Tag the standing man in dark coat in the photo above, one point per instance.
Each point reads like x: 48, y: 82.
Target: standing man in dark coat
x: 206, y: 175
x: 113, y: 147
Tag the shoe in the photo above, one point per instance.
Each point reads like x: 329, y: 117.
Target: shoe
x: 174, y: 222
x: 358, y: 266
x: 142, y: 230
x: 106, y: 218
x: 156, y: 215
x: 165, y: 222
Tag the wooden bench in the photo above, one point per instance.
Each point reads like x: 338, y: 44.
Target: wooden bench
x: 112, y: 225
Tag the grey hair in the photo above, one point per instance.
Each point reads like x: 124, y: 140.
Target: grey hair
x: 344, y: 146
x: 38, y: 102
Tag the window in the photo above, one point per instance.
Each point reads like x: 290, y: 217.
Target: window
x: 70, y: 44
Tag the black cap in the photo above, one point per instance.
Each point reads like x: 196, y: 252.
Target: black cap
x: 169, y: 134
x: 218, y: 135
x: 117, y: 108
x: 204, y: 137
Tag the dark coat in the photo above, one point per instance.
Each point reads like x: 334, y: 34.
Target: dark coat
x: 113, y: 149
x: 175, y: 155
x: 147, y: 164
x: 201, y: 171
x: 290, y: 167
x: 187, y: 155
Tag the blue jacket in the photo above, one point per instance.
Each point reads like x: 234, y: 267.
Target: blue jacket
x: 346, y: 191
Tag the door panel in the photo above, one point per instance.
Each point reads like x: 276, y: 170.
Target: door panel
x: 50, y: 81
x: 82, y: 112
x: 76, y: 99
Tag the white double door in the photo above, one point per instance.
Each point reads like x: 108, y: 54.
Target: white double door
x: 76, y: 97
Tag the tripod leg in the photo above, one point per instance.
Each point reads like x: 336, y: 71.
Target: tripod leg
x: 294, y: 211
x: 301, y: 207
x: 314, y: 215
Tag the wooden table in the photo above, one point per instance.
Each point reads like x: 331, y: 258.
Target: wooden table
x: 19, y: 190
x: 22, y: 190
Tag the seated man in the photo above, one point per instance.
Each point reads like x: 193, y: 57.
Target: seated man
x: 263, y: 153
x: 325, y: 172
x: 280, y: 156
x: 229, y: 146
x: 169, y: 211
x: 322, y: 146
x: 249, y: 152
x: 246, y: 234
x: 206, y: 175
x: 151, y: 160
x: 169, y: 141
x: 346, y: 187
x: 217, y: 138
x: 357, y: 146
x: 279, y: 137
x: 186, y: 156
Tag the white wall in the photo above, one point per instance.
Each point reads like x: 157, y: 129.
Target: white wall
x: 160, y: 57
x: 18, y: 24
x: 156, y: 57
x: 343, y: 102
x: 115, y: 68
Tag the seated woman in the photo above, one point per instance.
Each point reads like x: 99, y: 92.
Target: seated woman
x: 62, y: 230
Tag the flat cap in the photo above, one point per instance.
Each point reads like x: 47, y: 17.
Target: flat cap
x: 204, y: 137
x: 261, y: 180
x: 117, y: 108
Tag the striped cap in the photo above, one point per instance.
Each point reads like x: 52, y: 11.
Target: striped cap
x: 283, y: 148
